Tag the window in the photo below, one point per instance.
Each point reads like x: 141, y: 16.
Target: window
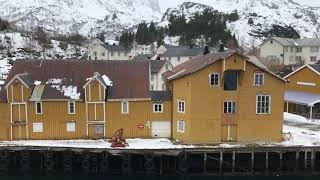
x: 72, y: 107
x: 152, y: 87
x: 71, y: 127
x: 291, y: 49
x: 103, y: 54
x: 152, y: 77
x: 258, y: 79
x: 157, y: 107
x: 38, y: 107
x: 179, y: 58
x: 119, y: 53
x: 231, y: 81
x: 313, y: 58
x: 263, y: 104
x: 229, y: 107
x: 125, y: 107
x: 37, y: 127
x: 298, y: 49
x: 314, y: 49
x: 286, y: 49
x: 112, y: 53
x: 125, y: 54
x: 214, y: 79
x: 271, y: 42
x: 181, y: 106
x: 180, y: 126
x: 95, y: 54
x: 98, y: 129
x: 298, y: 58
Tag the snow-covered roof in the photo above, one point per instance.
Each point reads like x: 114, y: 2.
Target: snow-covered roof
x: 302, y: 98
x: 303, y: 42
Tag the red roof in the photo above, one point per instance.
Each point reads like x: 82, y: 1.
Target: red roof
x: 196, y: 64
x: 130, y: 78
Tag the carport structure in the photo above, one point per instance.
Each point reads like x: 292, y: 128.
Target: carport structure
x: 302, y: 99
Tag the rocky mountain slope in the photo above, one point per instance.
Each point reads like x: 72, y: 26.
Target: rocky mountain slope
x: 84, y: 16
x: 267, y: 16
x: 91, y: 17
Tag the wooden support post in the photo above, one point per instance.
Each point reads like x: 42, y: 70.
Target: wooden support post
x: 287, y: 108
x: 233, y: 161
x: 205, y: 158
x: 267, y: 162
x: 297, y: 160
x: 161, y: 166
x: 312, y: 160
x: 221, y: 162
x: 252, y: 162
x: 281, y: 161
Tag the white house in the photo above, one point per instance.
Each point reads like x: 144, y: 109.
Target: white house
x: 97, y: 50
x: 291, y: 51
x: 138, y: 49
x: 177, y: 54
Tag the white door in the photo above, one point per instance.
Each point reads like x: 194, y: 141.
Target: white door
x: 161, y: 129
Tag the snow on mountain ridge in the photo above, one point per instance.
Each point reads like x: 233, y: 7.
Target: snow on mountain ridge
x: 84, y: 16
x: 265, y: 14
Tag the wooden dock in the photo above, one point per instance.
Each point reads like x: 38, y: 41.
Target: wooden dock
x: 196, y: 161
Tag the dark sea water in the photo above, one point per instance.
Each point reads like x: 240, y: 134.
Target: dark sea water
x: 156, y: 178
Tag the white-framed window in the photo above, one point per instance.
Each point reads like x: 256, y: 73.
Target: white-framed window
x: 37, y: 127
x: 314, y: 49
x: 98, y: 129
x: 229, y: 107
x: 291, y: 49
x: 72, y: 107
x: 214, y: 79
x: 178, y: 59
x: 181, y: 106
x: 286, y: 49
x: 180, y: 126
x: 313, y: 58
x: 38, y: 107
x: 112, y: 53
x: 258, y: 79
x: 103, y: 54
x: 298, y: 49
x: 119, y: 53
x: 263, y: 104
x: 298, y: 58
x: 71, y: 127
x: 158, y: 107
x: 152, y: 87
x: 124, y: 107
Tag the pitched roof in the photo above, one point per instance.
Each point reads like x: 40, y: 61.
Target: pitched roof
x: 182, y: 51
x: 313, y: 67
x: 160, y: 95
x: 203, y: 61
x: 130, y: 78
x: 142, y: 57
x: 303, y: 42
x: 114, y: 47
x: 156, y: 65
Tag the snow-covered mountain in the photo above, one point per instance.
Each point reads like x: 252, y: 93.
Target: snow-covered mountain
x: 264, y: 13
x: 91, y: 17
x: 85, y: 16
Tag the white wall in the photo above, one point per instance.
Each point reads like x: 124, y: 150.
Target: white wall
x: 103, y: 54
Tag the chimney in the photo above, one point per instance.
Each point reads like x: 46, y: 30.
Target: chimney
x: 221, y: 46
x: 206, y: 50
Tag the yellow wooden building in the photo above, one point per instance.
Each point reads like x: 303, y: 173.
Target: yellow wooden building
x: 223, y: 97
x: 72, y: 99
x: 217, y: 97
x: 302, y: 94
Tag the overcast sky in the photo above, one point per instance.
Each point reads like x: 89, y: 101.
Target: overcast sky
x: 165, y: 4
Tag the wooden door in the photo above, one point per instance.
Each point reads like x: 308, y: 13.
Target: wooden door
x: 19, y: 122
